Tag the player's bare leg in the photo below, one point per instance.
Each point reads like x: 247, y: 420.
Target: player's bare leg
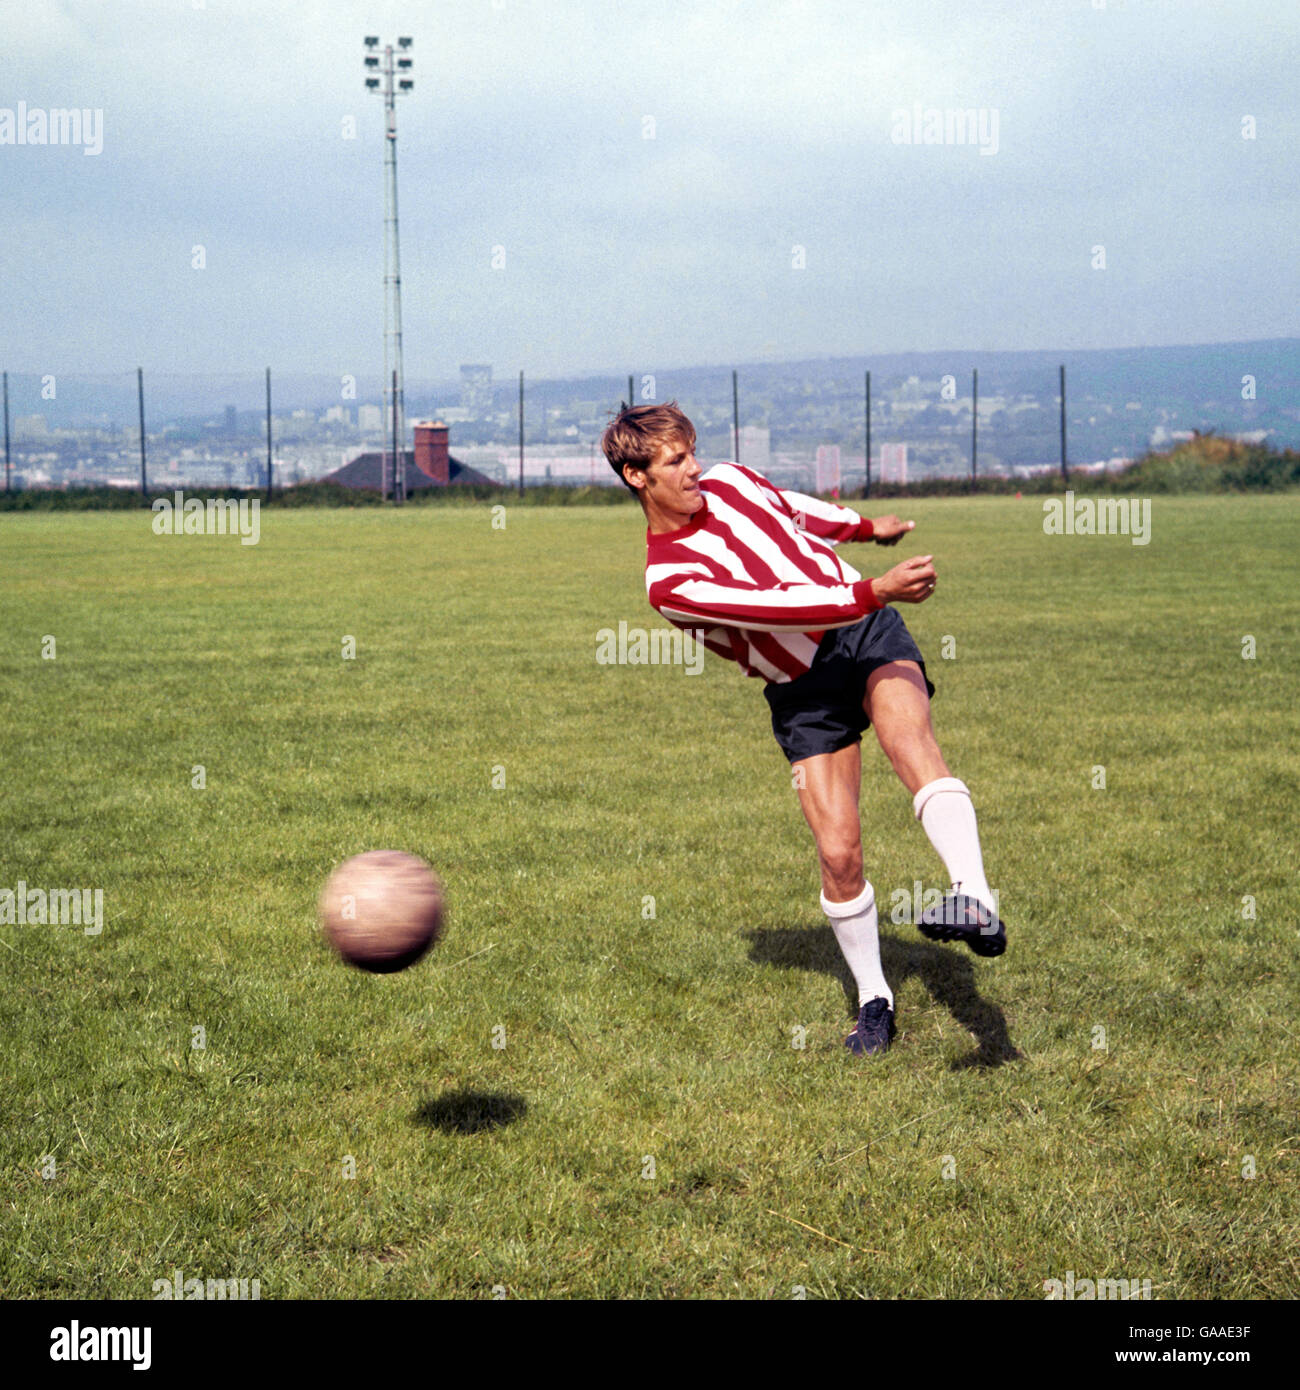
x: 899, y: 708
x: 828, y: 785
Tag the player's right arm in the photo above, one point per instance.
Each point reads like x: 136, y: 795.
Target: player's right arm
x: 911, y: 581
x: 691, y: 595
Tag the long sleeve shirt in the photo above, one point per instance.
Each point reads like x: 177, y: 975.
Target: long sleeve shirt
x: 754, y: 573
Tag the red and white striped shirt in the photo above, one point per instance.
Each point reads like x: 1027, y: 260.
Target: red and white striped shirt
x: 755, y: 575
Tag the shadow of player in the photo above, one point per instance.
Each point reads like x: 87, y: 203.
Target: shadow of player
x: 945, y: 972
x: 470, y: 1112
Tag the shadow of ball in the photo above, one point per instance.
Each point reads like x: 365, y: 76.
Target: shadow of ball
x: 471, y: 1112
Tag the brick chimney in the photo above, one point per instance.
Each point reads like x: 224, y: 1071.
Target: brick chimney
x: 431, y: 456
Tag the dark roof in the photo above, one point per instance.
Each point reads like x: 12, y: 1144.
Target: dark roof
x: 363, y: 471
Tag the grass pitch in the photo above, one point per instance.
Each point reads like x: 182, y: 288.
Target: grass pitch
x: 594, y: 1086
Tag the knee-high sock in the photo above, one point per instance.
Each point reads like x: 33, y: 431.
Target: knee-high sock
x: 945, y: 809
x: 856, y: 930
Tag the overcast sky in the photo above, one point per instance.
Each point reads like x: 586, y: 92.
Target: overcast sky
x: 774, y: 128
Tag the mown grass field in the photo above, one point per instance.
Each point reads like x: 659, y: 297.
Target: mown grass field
x: 997, y: 1145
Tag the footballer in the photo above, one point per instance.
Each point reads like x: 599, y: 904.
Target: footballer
x: 753, y: 571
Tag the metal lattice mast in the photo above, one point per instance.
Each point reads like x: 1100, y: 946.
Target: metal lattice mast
x: 394, y: 84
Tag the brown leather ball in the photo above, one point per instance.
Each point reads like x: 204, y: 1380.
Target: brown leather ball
x: 382, y: 910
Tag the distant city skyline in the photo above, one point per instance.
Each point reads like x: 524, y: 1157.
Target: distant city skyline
x: 659, y: 182
x: 801, y: 423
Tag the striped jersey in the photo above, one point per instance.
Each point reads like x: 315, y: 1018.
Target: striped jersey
x: 754, y: 573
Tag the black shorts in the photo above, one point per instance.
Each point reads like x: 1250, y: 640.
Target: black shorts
x: 821, y: 711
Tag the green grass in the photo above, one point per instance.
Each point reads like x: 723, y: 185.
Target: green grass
x: 627, y: 1037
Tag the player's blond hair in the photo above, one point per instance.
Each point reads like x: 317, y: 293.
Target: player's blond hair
x: 636, y: 434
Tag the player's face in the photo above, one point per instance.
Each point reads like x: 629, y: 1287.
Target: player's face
x: 672, y: 481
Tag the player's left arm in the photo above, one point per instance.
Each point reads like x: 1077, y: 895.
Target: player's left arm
x: 889, y: 530
x: 831, y: 522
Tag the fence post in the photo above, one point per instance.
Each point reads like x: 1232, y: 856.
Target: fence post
x: 268, y: 434
x: 1065, y: 472
x: 144, y: 480
x: 866, y: 492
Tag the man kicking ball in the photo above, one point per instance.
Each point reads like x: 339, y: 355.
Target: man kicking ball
x: 752, y: 570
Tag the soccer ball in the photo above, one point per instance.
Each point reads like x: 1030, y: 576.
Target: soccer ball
x: 382, y: 910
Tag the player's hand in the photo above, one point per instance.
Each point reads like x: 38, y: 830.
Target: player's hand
x: 911, y: 582
x: 889, y: 530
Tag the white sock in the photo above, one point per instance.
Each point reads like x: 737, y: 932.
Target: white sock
x: 945, y: 809
x: 855, y: 928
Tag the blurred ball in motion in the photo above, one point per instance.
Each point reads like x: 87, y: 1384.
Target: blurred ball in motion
x: 382, y: 910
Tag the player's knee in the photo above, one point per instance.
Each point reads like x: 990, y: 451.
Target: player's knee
x: 841, y: 861
x: 909, y: 745
x: 906, y: 736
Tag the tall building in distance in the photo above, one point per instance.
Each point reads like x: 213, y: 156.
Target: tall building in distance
x: 232, y: 423
x: 893, y: 463
x: 755, y: 447
x: 476, y: 389
x: 370, y: 419
x: 828, y: 468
